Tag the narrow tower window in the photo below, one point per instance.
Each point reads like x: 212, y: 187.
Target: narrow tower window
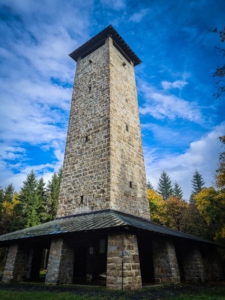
x: 81, y: 199
x: 130, y: 184
x: 127, y: 128
x: 89, y: 88
x: 87, y: 138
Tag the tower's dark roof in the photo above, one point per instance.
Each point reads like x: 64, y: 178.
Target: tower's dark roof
x: 98, y: 38
x: 99, y: 220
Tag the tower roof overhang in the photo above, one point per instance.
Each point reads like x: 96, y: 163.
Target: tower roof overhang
x: 96, y: 41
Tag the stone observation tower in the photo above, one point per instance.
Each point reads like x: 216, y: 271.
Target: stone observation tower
x: 103, y: 234
x: 103, y: 164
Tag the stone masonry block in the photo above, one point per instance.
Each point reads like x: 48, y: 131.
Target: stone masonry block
x: 165, y: 262
x: 120, y: 274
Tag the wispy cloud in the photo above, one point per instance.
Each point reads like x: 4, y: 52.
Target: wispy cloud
x: 178, y: 84
x: 161, y: 105
x: 35, y: 105
x: 201, y: 155
x: 137, y: 17
x: 115, y: 4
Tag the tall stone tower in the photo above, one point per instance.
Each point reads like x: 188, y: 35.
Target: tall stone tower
x: 103, y: 164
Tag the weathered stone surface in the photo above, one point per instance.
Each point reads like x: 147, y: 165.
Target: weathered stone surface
x: 60, y: 263
x: 165, y: 262
x: 103, y: 164
x: 193, y: 264
x: 121, y: 274
x: 16, y: 264
x: 212, y: 264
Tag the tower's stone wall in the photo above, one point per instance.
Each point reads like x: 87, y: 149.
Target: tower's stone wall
x: 103, y: 164
x: 128, y: 180
x: 86, y: 170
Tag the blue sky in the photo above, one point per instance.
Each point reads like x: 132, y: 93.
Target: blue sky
x: 180, y: 118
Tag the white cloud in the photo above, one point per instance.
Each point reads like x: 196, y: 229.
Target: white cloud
x: 202, y: 155
x: 115, y: 4
x: 161, y: 105
x: 178, y: 84
x: 34, y: 109
x: 137, y: 17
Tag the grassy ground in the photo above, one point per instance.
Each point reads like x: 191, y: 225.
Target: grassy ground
x: 211, y: 291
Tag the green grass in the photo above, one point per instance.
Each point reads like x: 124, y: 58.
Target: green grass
x: 207, y: 293
x: 212, y: 294
x: 10, y: 295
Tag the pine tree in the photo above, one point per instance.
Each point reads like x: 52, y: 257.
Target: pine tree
x: 177, y: 191
x: 164, y: 186
x: 30, y: 201
x: 197, y: 185
x: 53, y: 194
x: 8, y: 193
x: 42, y: 198
x: 149, y: 185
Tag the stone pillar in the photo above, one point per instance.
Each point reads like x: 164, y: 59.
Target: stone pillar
x: 193, y: 265
x: 16, y: 264
x: 212, y: 264
x: 60, y: 263
x: 123, y: 267
x: 165, y: 262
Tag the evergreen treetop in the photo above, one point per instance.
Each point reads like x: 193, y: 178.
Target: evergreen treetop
x: 197, y: 185
x: 149, y: 185
x: 165, y: 186
x: 177, y: 191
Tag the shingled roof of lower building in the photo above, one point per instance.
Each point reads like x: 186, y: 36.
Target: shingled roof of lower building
x: 104, y: 219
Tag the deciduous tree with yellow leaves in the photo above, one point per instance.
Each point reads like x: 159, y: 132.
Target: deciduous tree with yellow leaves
x: 176, y: 209
x: 211, y: 205
x: 157, y: 207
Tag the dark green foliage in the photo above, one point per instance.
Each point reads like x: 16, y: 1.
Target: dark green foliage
x: 53, y: 194
x: 177, y: 191
x: 164, y: 186
x: 42, y: 199
x: 8, y: 193
x: 30, y: 201
x: 195, y: 224
x: 197, y: 185
x: 149, y: 185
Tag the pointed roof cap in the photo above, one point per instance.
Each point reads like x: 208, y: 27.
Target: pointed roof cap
x: 96, y: 41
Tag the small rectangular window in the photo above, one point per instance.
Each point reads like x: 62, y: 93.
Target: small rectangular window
x: 81, y: 199
x: 87, y: 138
x: 131, y: 184
x: 127, y: 128
x: 89, y: 88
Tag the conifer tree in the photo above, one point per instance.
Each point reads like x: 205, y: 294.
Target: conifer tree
x: 8, y: 193
x: 30, y: 201
x: 53, y: 194
x: 149, y: 185
x: 42, y: 198
x: 197, y: 185
x: 177, y: 191
x: 164, y: 186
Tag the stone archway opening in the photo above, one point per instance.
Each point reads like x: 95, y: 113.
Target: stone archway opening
x: 37, y: 264
x: 90, y: 260
x: 146, y: 259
